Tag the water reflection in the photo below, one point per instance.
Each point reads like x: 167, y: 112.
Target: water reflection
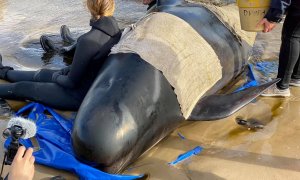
x: 23, y: 22
x: 2, y: 9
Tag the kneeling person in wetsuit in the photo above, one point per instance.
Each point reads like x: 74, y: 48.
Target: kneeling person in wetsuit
x: 70, y: 42
x: 66, y: 88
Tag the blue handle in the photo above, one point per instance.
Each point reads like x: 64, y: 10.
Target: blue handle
x: 187, y: 155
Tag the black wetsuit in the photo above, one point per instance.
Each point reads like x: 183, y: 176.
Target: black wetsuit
x: 289, y: 56
x: 66, y: 88
x: 69, y: 50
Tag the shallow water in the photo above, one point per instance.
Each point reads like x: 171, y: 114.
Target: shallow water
x: 22, y: 23
x: 230, y: 151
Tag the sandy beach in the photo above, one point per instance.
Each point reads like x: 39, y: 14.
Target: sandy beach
x: 230, y: 151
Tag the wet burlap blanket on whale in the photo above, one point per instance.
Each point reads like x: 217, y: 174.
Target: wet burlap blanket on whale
x: 172, y: 46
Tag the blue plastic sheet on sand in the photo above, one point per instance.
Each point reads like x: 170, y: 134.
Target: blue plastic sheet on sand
x: 54, y: 139
x: 186, y: 155
x: 267, y: 68
x: 251, y: 81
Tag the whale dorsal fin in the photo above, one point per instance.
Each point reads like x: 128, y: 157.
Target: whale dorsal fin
x: 219, y: 106
x: 169, y: 2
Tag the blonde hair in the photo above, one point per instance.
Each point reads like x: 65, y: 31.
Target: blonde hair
x: 100, y: 8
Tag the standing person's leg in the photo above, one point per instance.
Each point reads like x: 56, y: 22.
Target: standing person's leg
x: 49, y: 94
x: 296, y: 72
x: 289, y: 52
x: 288, y: 57
x: 295, y: 81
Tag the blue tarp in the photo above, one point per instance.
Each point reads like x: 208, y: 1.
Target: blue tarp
x: 251, y: 81
x: 54, y: 139
x: 265, y: 71
x: 267, y: 68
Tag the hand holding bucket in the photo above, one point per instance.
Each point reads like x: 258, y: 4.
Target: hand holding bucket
x: 268, y: 26
x: 251, y: 13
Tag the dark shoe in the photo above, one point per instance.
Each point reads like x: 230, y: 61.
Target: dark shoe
x: 295, y: 82
x: 68, y: 50
x: 66, y: 34
x: 4, y: 69
x: 47, y: 44
x: 3, y: 72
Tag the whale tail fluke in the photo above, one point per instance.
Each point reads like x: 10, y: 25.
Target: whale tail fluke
x: 219, y: 106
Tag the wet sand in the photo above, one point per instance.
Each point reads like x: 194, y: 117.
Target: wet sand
x: 230, y: 151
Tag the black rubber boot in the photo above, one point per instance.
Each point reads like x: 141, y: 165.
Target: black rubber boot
x: 66, y: 35
x: 47, y: 44
x: 4, y: 69
x: 68, y: 50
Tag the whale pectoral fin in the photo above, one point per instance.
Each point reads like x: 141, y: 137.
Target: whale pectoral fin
x: 219, y: 106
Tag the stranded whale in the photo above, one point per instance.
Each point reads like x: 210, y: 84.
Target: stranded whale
x: 149, y: 84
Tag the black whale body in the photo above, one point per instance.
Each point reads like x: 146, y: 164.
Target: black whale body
x: 131, y: 106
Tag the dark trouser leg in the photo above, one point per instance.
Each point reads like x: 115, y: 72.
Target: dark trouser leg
x: 43, y: 75
x: 296, y: 72
x: 289, y: 51
x: 49, y: 94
